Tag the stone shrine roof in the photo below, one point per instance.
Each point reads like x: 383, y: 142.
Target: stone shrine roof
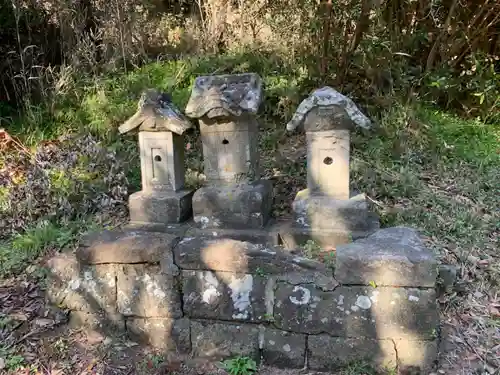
x: 223, y: 95
x: 156, y: 113
x: 330, y: 109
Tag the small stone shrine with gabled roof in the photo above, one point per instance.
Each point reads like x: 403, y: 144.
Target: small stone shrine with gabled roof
x: 226, y: 108
x: 163, y: 199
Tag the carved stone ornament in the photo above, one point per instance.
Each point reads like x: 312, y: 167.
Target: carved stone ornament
x: 225, y: 95
x: 156, y: 113
x: 327, y: 109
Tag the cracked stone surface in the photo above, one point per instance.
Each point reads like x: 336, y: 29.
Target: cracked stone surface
x: 162, y: 333
x: 357, y: 311
x: 224, y: 295
x: 393, y: 256
x: 333, y: 353
x: 145, y: 291
x: 125, y: 246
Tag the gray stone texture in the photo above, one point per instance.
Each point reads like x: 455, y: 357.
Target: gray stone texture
x: 162, y: 333
x: 160, y: 207
x: 224, y: 295
x: 222, y: 254
x: 237, y: 206
x: 393, y: 256
x: 230, y: 149
x: 416, y: 357
x: 162, y: 161
x: 317, y: 213
x: 107, y: 322
x: 328, y: 163
x: 146, y: 291
x: 333, y: 353
x: 83, y: 288
x: 447, y: 275
x: 357, y: 311
x: 224, y: 340
x: 125, y: 246
x: 223, y: 95
x: 283, y: 349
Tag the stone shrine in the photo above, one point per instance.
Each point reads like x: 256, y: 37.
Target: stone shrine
x: 163, y: 199
x: 328, y: 205
x: 226, y: 108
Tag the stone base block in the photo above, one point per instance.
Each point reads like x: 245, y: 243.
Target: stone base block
x: 334, y: 353
x: 318, y: 213
x: 283, y: 349
x: 160, y: 207
x: 162, y: 333
x: 98, y: 321
x: 218, y: 340
x: 238, y: 206
x: 416, y: 357
x: 391, y: 256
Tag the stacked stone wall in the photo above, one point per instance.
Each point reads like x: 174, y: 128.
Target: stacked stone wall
x: 216, y: 298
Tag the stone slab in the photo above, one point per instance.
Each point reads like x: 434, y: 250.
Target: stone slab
x: 108, y: 323
x: 224, y: 296
x: 283, y: 349
x: 224, y: 340
x: 326, y: 353
x: 162, y: 333
x: 146, y: 291
x: 209, y: 253
x: 83, y: 288
x: 236, y: 206
x: 381, y: 313
x: 393, y: 256
x: 160, y: 207
x: 416, y: 357
x: 125, y: 246
x: 318, y: 212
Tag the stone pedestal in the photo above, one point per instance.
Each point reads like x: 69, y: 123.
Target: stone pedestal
x: 160, y: 207
x: 237, y: 206
x: 234, y: 197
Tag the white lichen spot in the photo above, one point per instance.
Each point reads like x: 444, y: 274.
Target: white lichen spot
x: 215, y: 234
x: 374, y: 296
x: 341, y: 300
x: 338, y: 320
x: 309, y: 318
x: 210, y: 284
x: 302, y: 221
x: 340, y: 308
x: 271, y: 342
x: 413, y: 298
x: 324, y: 320
x: 287, y: 348
x: 316, y: 299
x: 393, y: 302
x: 363, y: 302
x: 305, y: 298
x: 240, y: 294
x: 74, y: 284
x: 187, y: 239
x: 347, y: 312
x: 267, y: 251
x: 354, y: 308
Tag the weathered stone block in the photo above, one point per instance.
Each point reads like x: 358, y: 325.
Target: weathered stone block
x: 246, y: 205
x: 160, y: 207
x: 318, y: 212
x: 283, y: 349
x: 219, y: 254
x: 357, y: 311
x: 83, y: 288
x: 224, y: 295
x: 392, y: 256
x: 162, y: 333
x: 98, y: 320
x: 333, y: 353
x: 145, y: 291
x: 217, y: 340
x: 125, y: 246
x: 416, y: 357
